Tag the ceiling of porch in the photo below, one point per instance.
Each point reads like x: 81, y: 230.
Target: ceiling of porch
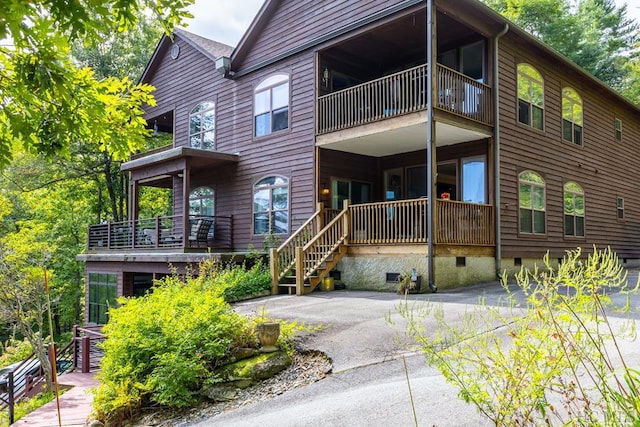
x: 395, y: 136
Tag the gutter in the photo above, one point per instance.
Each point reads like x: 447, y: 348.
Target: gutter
x: 496, y: 148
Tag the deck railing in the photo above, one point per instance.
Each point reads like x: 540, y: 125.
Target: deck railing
x: 405, y: 222
x: 163, y: 232
x: 87, y: 354
x: 401, y: 93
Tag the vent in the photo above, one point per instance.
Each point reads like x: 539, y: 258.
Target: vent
x: 517, y: 261
x: 392, y: 277
x: 461, y: 261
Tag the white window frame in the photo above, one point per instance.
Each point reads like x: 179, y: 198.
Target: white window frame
x: 271, y: 99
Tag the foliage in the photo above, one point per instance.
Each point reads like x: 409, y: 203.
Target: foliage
x: 14, y: 351
x: 555, y: 361
x: 26, y: 406
x: 163, y: 346
x: 48, y: 102
x: 595, y: 34
x: 236, y: 281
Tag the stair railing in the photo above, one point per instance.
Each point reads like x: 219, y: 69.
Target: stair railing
x: 317, y: 251
x: 283, y: 259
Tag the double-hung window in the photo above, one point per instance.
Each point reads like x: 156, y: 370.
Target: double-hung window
x: 271, y: 105
x: 530, y: 97
x: 571, y: 116
x: 531, y: 195
x: 573, y: 210
x: 202, y: 126
x: 271, y: 206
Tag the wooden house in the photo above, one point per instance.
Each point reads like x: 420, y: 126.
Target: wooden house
x: 375, y: 138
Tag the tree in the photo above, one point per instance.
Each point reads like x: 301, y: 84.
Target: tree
x: 595, y: 34
x: 47, y: 102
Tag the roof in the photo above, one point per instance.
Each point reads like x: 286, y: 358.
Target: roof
x: 209, y: 48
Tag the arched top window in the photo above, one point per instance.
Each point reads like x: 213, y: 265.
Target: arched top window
x: 571, y: 116
x: 532, y: 203
x: 530, y: 96
x: 271, y: 205
x: 573, y: 210
x: 271, y: 105
x: 202, y: 126
x: 201, y: 201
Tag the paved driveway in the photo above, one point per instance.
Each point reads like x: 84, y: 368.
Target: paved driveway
x: 369, y: 385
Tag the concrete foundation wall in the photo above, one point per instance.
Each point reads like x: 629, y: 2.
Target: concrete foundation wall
x: 369, y: 272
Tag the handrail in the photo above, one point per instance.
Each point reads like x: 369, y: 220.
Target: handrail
x: 323, y: 245
x: 460, y: 223
x: 285, y: 254
x: 464, y: 96
x: 392, y: 222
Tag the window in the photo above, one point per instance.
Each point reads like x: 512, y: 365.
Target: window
x: 618, y: 126
x: 201, y: 201
x: 271, y: 206
x: 573, y: 210
x: 271, y: 105
x: 531, y: 195
x: 102, y: 295
x: 571, y: 116
x: 530, y: 97
x: 356, y: 192
x: 202, y: 125
x: 620, y: 203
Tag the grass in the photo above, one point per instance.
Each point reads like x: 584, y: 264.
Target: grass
x: 26, y: 406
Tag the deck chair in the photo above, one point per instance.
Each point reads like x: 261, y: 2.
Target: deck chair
x: 199, y: 235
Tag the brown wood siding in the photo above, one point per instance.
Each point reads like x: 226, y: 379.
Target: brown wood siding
x: 604, y: 167
x: 296, y: 22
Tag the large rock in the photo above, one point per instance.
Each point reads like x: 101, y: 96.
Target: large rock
x: 245, y: 373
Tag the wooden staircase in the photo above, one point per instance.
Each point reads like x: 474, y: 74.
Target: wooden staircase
x: 308, y: 256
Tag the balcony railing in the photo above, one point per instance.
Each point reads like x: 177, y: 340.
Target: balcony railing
x: 164, y: 232
x: 402, y: 93
x: 405, y: 222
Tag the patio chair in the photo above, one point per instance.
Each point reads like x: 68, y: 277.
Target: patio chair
x: 199, y: 235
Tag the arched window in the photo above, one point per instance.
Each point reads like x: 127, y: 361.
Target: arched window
x: 571, y: 116
x: 201, y: 201
x: 531, y: 196
x: 271, y: 105
x: 271, y: 205
x: 202, y: 126
x: 530, y: 96
x: 573, y: 210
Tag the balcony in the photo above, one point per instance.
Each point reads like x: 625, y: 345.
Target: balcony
x: 404, y: 93
x: 162, y: 234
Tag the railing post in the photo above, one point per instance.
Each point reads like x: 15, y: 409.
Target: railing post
x: 86, y: 350
x: 11, y: 399
x: 346, y: 221
x: 274, y: 267
x: 299, y: 270
x: 319, y: 218
x: 75, y: 347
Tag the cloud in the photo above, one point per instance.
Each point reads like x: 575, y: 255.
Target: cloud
x: 222, y: 20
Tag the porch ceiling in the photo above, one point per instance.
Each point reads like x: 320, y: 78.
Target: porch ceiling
x: 395, y: 136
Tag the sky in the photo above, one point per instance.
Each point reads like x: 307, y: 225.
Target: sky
x: 227, y: 20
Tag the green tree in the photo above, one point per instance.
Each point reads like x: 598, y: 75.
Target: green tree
x: 48, y: 103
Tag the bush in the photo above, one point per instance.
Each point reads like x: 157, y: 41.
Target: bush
x: 554, y: 362
x: 15, y: 351
x: 163, y: 346
x: 235, y: 281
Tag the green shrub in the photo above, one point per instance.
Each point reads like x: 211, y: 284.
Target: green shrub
x: 163, y: 346
x: 552, y: 360
x: 15, y: 351
x: 235, y: 281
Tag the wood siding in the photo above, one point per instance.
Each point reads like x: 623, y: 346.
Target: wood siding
x: 605, y: 168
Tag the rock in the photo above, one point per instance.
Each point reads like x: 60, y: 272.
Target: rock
x: 240, y: 353
x: 256, y: 368
x: 220, y: 393
x: 271, y: 366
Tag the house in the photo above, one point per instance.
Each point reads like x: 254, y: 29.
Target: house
x: 376, y: 138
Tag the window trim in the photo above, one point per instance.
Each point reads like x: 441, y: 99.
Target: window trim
x: 574, y: 215
x: 530, y: 102
x: 268, y: 84
x: 200, y: 199
x: 201, y: 133
x: 620, y: 209
x: 532, y: 209
x: 270, y: 210
x: 617, y: 130
x: 567, y: 93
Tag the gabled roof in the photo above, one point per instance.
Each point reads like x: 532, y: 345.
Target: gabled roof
x: 258, y: 23
x: 209, y: 48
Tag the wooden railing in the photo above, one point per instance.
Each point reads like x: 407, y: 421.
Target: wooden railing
x: 464, y: 96
x: 401, y: 221
x: 283, y: 258
x: 86, y: 351
x: 459, y: 223
x: 319, y: 249
x: 163, y: 232
x: 401, y: 93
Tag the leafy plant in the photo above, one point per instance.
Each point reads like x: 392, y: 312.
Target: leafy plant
x: 556, y: 360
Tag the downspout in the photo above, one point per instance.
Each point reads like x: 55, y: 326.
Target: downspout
x: 496, y: 149
x: 430, y: 148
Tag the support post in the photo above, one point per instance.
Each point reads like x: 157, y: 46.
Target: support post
x: 86, y: 350
x: 12, y: 400
x: 299, y: 270
x: 274, y: 267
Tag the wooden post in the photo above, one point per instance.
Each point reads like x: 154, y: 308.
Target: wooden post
x: 75, y: 347
x: 299, y: 271
x: 274, y: 267
x: 320, y: 217
x: 346, y: 221
x: 86, y: 349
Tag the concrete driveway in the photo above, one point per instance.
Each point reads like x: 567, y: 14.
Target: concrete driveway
x: 369, y: 384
